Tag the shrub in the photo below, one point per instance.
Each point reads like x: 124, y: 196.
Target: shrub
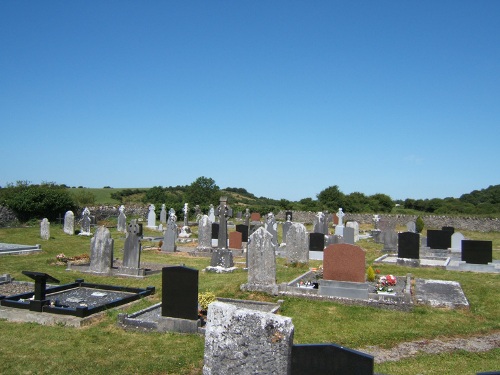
x: 205, y: 299
x: 419, y: 224
x: 370, y: 274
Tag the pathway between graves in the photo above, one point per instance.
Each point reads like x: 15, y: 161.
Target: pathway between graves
x: 435, y: 346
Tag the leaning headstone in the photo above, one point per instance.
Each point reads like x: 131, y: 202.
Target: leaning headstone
x: 409, y: 245
x: 121, y: 225
x: 235, y: 240
x: 456, y: 242
x: 45, y: 229
x: 204, y: 234
x: 297, y: 247
x: 101, y: 251
x: 163, y: 214
x: 85, y: 225
x: 132, y: 249
x: 349, y: 235
x: 344, y: 262
x: 477, y: 252
x: 243, y: 341
x: 272, y: 227
x: 152, y: 217
x: 243, y: 229
x: 170, y: 236
x: 261, y: 263
x: 411, y: 226
x: 69, y: 223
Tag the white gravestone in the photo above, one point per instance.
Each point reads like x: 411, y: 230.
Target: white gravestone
x: 69, y: 223
x: 45, y: 229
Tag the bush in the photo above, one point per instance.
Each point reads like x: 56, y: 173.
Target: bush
x: 370, y: 274
x: 205, y: 299
x: 419, y: 224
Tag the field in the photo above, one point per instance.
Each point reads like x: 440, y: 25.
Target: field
x: 29, y: 348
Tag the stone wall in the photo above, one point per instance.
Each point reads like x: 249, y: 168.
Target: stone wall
x: 7, y: 216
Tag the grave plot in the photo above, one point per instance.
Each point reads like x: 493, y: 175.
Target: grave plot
x: 16, y: 249
x: 77, y: 299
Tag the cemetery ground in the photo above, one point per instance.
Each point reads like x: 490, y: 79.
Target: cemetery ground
x: 103, y: 347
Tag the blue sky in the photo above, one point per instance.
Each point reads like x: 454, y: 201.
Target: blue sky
x: 282, y: 98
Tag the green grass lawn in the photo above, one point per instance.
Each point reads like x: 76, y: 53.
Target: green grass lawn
x: 29, y: 348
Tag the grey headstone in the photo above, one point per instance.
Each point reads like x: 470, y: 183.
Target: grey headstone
x: 223, y: 212
x: 272, y: 227
x: 204, y: 233
x: 45, y: 229
x: 286, y: 226
x: 243, y: 341
x: 411, y: 226
x: 85, y: 222
x: 390, y: 238
x: 456, y: 242
x: 101, y: 251
x: 319, y: 223
x: 349, y: 235
x: 121, y: 225
x: 297, y: 246
x: 170, y: 235
x: 132, y: 247
x: 152, y: 217
x: 163, y: 214
x: 69, y: 223
x: 354, y: 225
x: 211, y: 213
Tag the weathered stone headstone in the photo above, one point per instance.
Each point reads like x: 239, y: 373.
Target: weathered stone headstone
x: 285, y: 227
x: 327, y: 221
x: 243, y: 341
x: 439, y: 239
x: 247, y: 217
x: 132, y: 247
x: 235, y: 240
x: 376, y: 219
x: 163, y: 214
x: 101, y: 251
x: 170, y: 235
x: 204, y: 234
x: 411, y: 226
x: 456, y: 242
x: 344, y: 262
x: 319, y: 223
x: 211, y: 213
x: 243, y: 229
x: 222, y: 258
x: 297, y: 247
x: 349, y: 235
x: 261, y: 263
x: 223, y: 212
x: 179, y: 292
x: 316, y: 241
x: 121, y: 225
x: 477, y: 252
x: 389, y: 237
x: 288, y: 216
x: 409, y: 245
x: 186, y: 214
x: 45, y: 229
x: 152, y: 217
x: 85, y: 225
x: 69, y: 223
x: 272, y: 227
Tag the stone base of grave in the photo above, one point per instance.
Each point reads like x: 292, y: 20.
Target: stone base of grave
x: 268, y: 288
x: 219, y: 269
x: 168, y: 249
x: 129, y: 271
x: 408, y: 262
x: 460, y: 265
x: 168, y: 324
x: 343, y: 289
x: 222, y: 258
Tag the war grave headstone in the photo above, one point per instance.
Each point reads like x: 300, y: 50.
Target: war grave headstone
x: 411, y: 226
x: 297, y: 247
x: 101, y: 251
x: 261, y: 263
x: 170, y: 235
x: 204, y: 234
x: 439, y: 239
x: 163, y: 214
x: 349, y: 235
x: 355, y: 226
x: 85, y: 223
x: 319, y: 223
x: 132, y: 251
x: 235, y: 240
x: 179, y: 307
x: 339, y: 228
x: 344, y: 268
x: 267, y: 339
x: 121, y: 225
x: 272, y: 227
x: 69, y: 223
x: 477, y: 252
x: 456, y: 242
x: 45, y: 229
x: 222, y: 257
x: 243, y: 229
x: 409, y: 245
x: 151, y: 217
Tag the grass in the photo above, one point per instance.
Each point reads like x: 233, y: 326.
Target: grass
x: 105, y: 348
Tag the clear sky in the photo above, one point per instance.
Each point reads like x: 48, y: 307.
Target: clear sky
x: 282, y: 98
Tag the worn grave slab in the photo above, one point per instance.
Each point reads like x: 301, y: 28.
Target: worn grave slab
x: 17, y: 249
x: 440, y: 293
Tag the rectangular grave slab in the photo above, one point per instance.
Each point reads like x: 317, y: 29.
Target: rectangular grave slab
x: 477, y: 252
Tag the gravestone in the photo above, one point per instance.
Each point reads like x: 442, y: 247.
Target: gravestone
x: 316, y: 241
x: 344, y: 262
x: 170, y: 235
x: 247, y: 217
x: 204, y: 234
x: 152, y: 217
x: 376, y: 219
x: 330, y: 359
x: 132, y: 248
x: 339, y: 229
x: 409, y: 245
x: 222, y: 258
x: 244, y: 341
x: 223, y: 212
x: 163, y: 214
x: 456, y: 242
x: 327, y: 221
x: 235, y: 240
x: 288, y: 216
x: 319, y: 223
x: 390, y: 240
x: 121, y: 225
x: 349, y: 235
x: 439, y: 239
x: 197, y: 212
x: 411, y: 226
x: 211, y: 213
x: 272, y: 227
x: 261, y: 263
x: 255, y: 216
x: 45, y: 229
x: 179, y: 292
x: 297, y: 249
x: 285, y: 227
x: 448, y: 229
x: 186, y: 214
x: 69, y: 223
x: 243, y: 229
x: 215, y: 234
x: 355, y: 226
x: 477, y: 252
x: 101, y: 251
x: 85, y: 225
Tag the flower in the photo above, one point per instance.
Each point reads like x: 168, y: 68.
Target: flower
x: 385, y: 283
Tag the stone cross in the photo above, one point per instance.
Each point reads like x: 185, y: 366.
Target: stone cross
x: 223, y: 212
x: 85, y: 222
x: 340, y: 215
x: 171, y: 213
x: 163, y: 214
x: 376, y: 219
x: 247, y: 217
x: 186, y: 213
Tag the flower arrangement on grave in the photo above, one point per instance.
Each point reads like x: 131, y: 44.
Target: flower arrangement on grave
x: 205, y: 299
x: 78, y: 259
x: 386, y: 284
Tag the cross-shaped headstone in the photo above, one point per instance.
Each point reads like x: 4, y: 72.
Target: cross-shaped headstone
x: 223, y: 212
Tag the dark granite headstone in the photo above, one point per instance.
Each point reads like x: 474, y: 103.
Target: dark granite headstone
x: 316, y: 241
x: 243, y: 229
x: 222, y: 258
x: 408, y: 245
x: 439, y: 239
x: 215, y: 231
x: 330, y: 359
x: 179, y: 292
x: 448, y: 229
x: 477, y: 252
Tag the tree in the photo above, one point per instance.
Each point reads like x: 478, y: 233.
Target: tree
x: 381, y: 203
x: 331, y: 198
x: 203, y: 191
